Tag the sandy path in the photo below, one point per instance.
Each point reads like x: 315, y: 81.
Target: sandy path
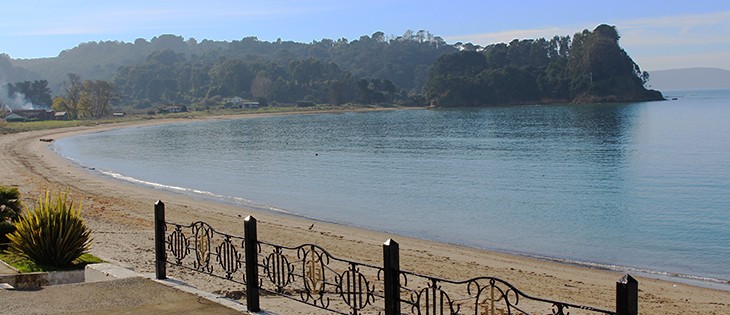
x: 121, y: 214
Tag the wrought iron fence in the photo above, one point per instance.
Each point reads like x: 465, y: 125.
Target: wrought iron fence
x: 481, y: 295
x: 309, y: 274
x: 201, y: 248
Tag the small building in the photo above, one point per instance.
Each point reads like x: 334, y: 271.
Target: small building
x: 13, y: 117
x: 173, y: 109
x: 119, y: 114
x: 239, y: 103
x: 60, y: 116
x: 35, y: 114
x: 250, y: 105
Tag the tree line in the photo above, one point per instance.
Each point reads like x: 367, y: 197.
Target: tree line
x: 590, y: 67
x: 416, y: 68
x: 371, y: 69
x: 25, y: 94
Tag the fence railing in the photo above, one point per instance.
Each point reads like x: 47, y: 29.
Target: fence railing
x: 309, y: 274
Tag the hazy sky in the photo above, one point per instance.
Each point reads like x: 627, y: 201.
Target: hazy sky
x: 657, y: 34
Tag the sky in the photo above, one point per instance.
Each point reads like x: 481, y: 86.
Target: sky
x: 658, y: 35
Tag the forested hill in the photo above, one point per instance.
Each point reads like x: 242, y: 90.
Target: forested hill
x: 589, y: 68
x: 416, y: 68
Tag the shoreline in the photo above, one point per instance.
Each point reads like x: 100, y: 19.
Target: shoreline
x: 120, y: 215
x: 694, y: 280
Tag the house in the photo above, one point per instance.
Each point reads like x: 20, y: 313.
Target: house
x: 173, y: 109
x: 35, y: 114
x: 239, y: 103
x: 250, y: 105
x: 14, y: 118
x: 60, y: 116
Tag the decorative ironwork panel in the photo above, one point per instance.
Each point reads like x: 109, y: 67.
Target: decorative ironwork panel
x: 432, y: 300
x: 217, y: 254
x: 278, y: 270
x: 178, y: 244
x: 309, y: 274
x: 355, y: 289
x: 478, y: 296
x: 228, y: 257
x: 202, y: 233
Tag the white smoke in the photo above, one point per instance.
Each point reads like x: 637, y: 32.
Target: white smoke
x: 16, y: 101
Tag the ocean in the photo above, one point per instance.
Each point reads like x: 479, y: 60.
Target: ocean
x: 638, y: 187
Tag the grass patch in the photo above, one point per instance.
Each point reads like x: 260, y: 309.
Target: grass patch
x: 26, y: 265
x: 15, y: 127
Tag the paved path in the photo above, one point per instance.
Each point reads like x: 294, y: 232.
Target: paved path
x: 123, y: 296
x: 6, y: 270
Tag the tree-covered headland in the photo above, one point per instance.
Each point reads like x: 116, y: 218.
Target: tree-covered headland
x: 591, y: 67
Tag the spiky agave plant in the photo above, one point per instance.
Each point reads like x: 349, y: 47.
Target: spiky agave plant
x: 53, y: 234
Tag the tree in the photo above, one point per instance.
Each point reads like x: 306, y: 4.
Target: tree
x: 96, y: 97
x: 60, y: 104
x: 72, y: 90
x: 33, y: 92
x: 378, y: 37
x: 261, y: 87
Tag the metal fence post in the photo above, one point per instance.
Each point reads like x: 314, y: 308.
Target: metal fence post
x: 160, y: 255
x: 391, y: 269
x: 252, y: 267
x: 627, y: 296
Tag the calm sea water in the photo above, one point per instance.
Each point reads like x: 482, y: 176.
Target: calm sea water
x: 644, y: 186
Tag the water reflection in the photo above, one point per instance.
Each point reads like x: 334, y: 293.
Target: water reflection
x: 608, y: 183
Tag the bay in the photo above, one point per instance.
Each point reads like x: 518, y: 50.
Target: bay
x: 640, y: 186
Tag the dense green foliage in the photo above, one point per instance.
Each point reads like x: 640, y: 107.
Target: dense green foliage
x: 36, y: 92
x: 414, y: 68
x: 6, y: 228
x: 591, y: 67
x: 324, y: 71
x: 10, y: 205
x: 170, y: 69
x: 52, y: 234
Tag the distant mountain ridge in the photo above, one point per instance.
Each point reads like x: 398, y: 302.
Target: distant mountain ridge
x: 689, y: 79
x: 416, y: 69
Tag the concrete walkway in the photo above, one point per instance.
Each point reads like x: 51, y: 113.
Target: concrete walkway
x: 6, y: 270
x: 113, y: 290
x: 123, y: 296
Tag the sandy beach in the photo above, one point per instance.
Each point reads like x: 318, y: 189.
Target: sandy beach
x: 121, y: 215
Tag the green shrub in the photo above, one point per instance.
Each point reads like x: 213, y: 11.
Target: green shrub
x: 24, y: 264
x: 53, y: 234
x: 9, y: 203
x: 5, y: 229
